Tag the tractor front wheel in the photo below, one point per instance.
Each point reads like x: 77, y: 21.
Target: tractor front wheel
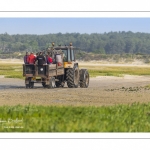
x: 84, y: 78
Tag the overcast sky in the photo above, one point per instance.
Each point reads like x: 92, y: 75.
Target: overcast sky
x: 72, y: 25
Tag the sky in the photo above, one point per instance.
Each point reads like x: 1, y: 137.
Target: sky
x: 41, y: 26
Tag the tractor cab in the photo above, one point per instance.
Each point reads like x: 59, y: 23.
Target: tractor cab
x: 67, y: 52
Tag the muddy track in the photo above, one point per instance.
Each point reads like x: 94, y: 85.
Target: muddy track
x: 102, y: 91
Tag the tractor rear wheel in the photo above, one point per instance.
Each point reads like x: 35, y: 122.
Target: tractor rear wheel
x: 73, y: 77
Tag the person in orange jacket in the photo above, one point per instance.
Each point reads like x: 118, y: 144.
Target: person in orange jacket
x: 31, y: 58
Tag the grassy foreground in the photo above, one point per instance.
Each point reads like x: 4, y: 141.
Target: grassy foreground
x: 121, y: 118
x: 15, y: 70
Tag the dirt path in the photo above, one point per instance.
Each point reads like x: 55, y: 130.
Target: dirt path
x: 101, y: 91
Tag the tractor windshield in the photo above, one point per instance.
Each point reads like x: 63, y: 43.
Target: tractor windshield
x: 65, y: 55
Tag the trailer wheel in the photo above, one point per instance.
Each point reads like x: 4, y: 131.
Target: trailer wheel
x: 31, y: 85
x: 84, y: 78
x: 58, y: 84
x: 27, y: 86
x: 44, y: 84
x: 61, y: 82
x: 27, y: 83
x: 51, y: 83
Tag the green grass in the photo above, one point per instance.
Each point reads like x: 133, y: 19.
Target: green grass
x: 11, y: 70
x: 121, y: 118
x: 117, y: 71
x: 15, y: 70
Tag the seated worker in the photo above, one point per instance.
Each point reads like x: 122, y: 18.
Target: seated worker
x: 37, y: 54
x: 49, y: 59
x: 26, y: 58
x: 41, y: 59
x: 31, y: 58
x: 58, y: 59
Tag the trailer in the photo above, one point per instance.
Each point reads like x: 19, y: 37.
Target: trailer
x: 45, y: 74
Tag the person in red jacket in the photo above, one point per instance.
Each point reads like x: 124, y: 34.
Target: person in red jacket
x: 31, y: 58
x: 49, y: 59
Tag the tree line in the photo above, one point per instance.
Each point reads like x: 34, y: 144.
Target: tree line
x: 107, y: 43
